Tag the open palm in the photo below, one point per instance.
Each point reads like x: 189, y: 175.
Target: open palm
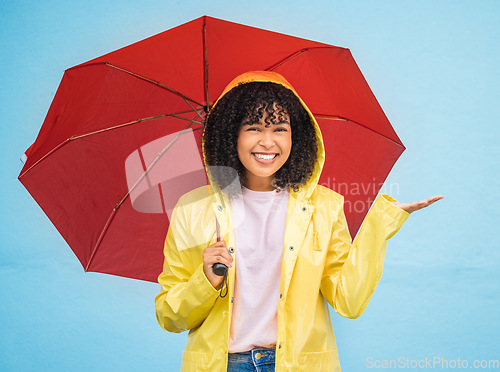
x: 415, y: 206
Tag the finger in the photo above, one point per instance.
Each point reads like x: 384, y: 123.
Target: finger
x: 223, y: 252
x: 211, y: 261
x: 211, y: 254
x: 219, y: 259
x: 434, y: 199
x: 217, y: 250
x: 425, y: 203
x: 415, y: 206
x: 221, y: 244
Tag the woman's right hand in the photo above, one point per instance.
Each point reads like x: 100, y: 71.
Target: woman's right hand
x: 214, y: 253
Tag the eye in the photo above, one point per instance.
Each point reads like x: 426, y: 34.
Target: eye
x: 281, y: 129
x: 253, y: 129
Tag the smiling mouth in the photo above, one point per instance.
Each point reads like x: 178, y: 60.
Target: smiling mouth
x: 264, y: 156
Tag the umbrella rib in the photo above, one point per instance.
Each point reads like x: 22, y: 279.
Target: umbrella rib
x: 196, y: 111
x: 113, y: 212
x: 319, y: 116
x: 185, y: 98
x: 143, y: 163
x: 175, y: 115
x: 47, y: 154
x: 295, y: 55
x: 340, y: 118
x: 135, y: 122
x: 154, y: 82
x: 205, y: 62
x: 155, y: 160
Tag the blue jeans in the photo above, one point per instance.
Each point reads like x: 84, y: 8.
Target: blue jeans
x: 256, y: 360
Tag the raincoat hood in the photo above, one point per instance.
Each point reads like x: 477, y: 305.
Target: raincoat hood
x: 306, y: 190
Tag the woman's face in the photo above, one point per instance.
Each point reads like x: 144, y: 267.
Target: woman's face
x: 263, y: 147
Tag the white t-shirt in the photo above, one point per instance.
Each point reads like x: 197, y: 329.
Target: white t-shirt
x: 259, y: 220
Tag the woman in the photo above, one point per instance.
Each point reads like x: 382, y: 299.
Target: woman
x: 283, y: 236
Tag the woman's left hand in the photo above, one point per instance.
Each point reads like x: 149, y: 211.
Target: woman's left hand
x: 415, y: 206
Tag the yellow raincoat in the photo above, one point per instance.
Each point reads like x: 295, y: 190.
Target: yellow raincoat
x: 319, y: 266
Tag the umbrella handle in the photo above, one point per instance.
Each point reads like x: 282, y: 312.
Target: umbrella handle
x: 218, y: 268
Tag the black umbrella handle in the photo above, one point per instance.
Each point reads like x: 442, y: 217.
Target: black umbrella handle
x: 219, y: 269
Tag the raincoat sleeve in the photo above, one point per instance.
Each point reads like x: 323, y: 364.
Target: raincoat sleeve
x: 186, y: 296
x: 352, y: 272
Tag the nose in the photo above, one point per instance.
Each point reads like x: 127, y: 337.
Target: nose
x: 267, y: 139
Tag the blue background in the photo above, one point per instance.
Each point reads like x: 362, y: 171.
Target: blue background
x: 433, y: 65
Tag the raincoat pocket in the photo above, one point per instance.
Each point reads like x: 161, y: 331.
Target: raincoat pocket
x: 193, y: 361
x: 319, y: 361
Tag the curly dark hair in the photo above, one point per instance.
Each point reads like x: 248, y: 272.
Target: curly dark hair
x: 246, y: 103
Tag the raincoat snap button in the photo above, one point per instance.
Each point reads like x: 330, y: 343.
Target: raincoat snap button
x: 304, y: 209
x: 291, y: 247
x: 219, y: 207
x: 279, y: 346
x: 281, y: 295
x: 231, y: 250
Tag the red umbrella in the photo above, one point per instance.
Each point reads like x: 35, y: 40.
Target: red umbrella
x: 92, y: 168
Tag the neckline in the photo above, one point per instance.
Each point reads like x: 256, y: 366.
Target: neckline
x: 260, y: 195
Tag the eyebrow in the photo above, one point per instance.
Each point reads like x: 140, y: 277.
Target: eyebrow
x: 259, y: 123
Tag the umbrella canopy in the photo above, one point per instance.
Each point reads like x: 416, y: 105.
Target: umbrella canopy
x: 122, y: 138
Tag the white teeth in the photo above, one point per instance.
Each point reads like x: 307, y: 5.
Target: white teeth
x: 265, y: 157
